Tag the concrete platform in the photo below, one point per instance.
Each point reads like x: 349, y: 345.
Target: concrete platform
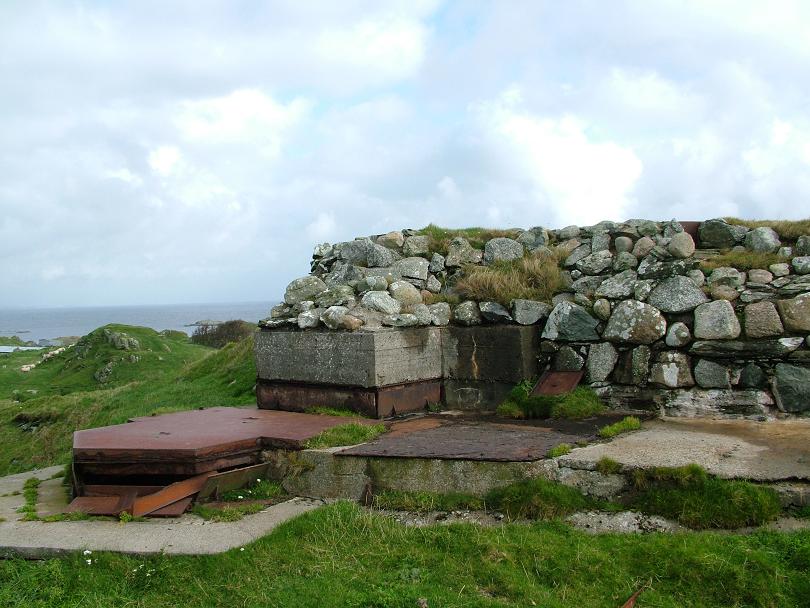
x: 733, y: 449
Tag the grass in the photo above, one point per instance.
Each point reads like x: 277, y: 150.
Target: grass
x: 262, y: 489
x: 741, y: 260
x: 537, y: 499
x: 14, y: 341
x: 320, y: 410
x: 608, y: 466
x: 580, y: 403
x: 559, y: 450
x: 532, y: 277
x: 30, y: 494
x: 229, y: 513
x: 341, y: 555
x: 171, y: 374
x: 346, y: 434
x: 425, y: 502
x: 786, y: 229
x: 625, y: 425
x: 693, y: 498
x: 440, y: 237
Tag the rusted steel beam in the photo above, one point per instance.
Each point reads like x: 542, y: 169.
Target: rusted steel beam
x: 145, y: 505
x: 232, y: 480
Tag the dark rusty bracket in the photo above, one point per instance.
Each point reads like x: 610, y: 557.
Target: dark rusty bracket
x: 557, y: 383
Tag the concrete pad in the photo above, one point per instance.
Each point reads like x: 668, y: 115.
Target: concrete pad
x: 52, y: 497
x: 731, y: 449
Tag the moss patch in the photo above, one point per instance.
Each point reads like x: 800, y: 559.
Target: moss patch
x: 537, y: 499
x: 580, y: 403
x: 559, y: 450
x: 321, y: 410
x: 346, y: 434
x: 626, y: 424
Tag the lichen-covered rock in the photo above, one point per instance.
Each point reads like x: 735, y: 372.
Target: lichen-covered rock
x: 633, y: 366
x: 529, y: 312
x: 381, y: 301
x: 587, y: 285
x: 569, y: 232
x: 578, y: 254
x: 635, y: 322
x: 801, y: 265
x: 433, y: 285
x: 337, y: 295
x: 280, y: 311
x: 309, y: 318
x: 716, y: 321
x: 380, y: 257
x: 697, y: 277
x: 436, y: 263
x: 681, y: 245
x: 600, y: 242
x: 720, y: 234
x: 344, y: 274
x: 623, y: 244
x: 533, y: 238
x: 304, y: 288
x: 709, y: 374
x: 726, y: 275
x: 494, y: 312
x: 781, y: 269
x: 502, y: 249
x: 601, y: 308
x: 762, y: 320
x: 653, y: 268
x: 595, y: 263
x: 643, y: 247
x: 372, y: 283
x: 672, y: 370
x: 416, y: 245
x: 678, y: 335
x: 404, y: 293
x: 566, y: 359
x: 757, y: 275
x: 467, y: 313
x: 624, y: 261
x: 791, y: 387
x: 677, y: 294
x: 333, y: 316
x: 618, y: 286
x: 400, y: 320
x: 439, y: 314
x: 412, y: 268
x: 795, y: 313
x: 762, y: 239
x: 392, y: 240
x: 354, y: 252
x: 570, y: 322
x: 759, y: 349
x: 724, y: 292
x: 460, y: 252
x: 802, y: 245
x: 752, y: 376
x: 602, y: 358
x: 647, y: 228
x: 643, y: 288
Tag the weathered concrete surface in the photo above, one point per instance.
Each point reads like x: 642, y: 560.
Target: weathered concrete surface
x: 504, y: 353
x: 772, y: 451
x: 188, y: 534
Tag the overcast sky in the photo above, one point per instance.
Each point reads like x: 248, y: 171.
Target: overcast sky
x: 169, y: 152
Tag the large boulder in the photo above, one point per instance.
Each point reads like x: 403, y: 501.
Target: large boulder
x: 791, y: 387
x: 681, y: 245
x: 802, y: 245
x: 677, y: 294
x: 618, y: 286
x: 595, y: 263
x: 762, y: 239
x: 534, y: 238
x: 416, y: 245
x: 494, y: 312
x: 759, y: 349
x: 796, y: 313
x: 643, y: 247
x: 380, y: 256
x: 720, y: 234
x: 529, y: 312
x: 382, y: 302
x: 355, y: 252
x: 570, y: 322
x: 709, y: 374
x: 405, y: 293
x: 762, y: 320
x: 602, y: 358
x: 672, y: 370
x: 636, y: 323
x: 502, y: 249
x: 412, y: 268
x: 801, y: 265
x: 467, y: 313
x: 304, y: 288
x: 716, y: 321
x: 460, y: 252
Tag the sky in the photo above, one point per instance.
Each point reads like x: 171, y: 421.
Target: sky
x: 169, y: 152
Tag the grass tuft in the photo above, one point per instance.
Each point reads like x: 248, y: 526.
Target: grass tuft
x: 346, y: 434
x: 425, y: 502
x: 440, y: 237
x: 229, y: 513
x: 321, y: 410
x: 559, y: 450
x: 261, y: 489
x: 626, y: 424
x: 532, y: 277
x: 608, y: 466
x: 580, y: 403
x: 741, y: 260
x: 789, y: 230
x: 537, y: 499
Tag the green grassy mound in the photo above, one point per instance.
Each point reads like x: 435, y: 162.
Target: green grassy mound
x: 580, y: 403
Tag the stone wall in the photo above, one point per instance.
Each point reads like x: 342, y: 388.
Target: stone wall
x: 650, y: 327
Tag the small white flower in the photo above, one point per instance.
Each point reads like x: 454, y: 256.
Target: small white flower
x: 240, y: 497
x: 148, y: 574
x: 241, y: 548
x: 87, y: 552
x: 89, y: 561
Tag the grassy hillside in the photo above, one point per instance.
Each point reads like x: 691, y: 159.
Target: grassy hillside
x: 112, y: 374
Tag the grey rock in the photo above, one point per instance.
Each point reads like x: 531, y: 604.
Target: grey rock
x: 494, y: 312
x: 460, y: 252
x: 796, y: 286
x: 602, y: 358
x: 601, y: 308
x: 762, y: 320
x: 372, y: 283
x: 672, y: 370
x: 578, y: 254
x: 802, y: 245
x: 309, y: 318
x: 280, y: 311
x: 534, y: 238
x: 566, y: 359
x: 791, y: 387
x: 724, y: 292
x: 643, y: 288
x: 422, y: 313
x: 677, y: 294
x: 392, y: 240
x: 566, y: 248
x: 275, y: 323
x: 678, y: 335
x: 801, y: 265
x: 595, y: 263
x: 709, y: 374
x: 582, y: 300
x: 752, y: 376
x: 624, y: 261
x: 404, y: 293
x: 333, y: 316
x: 671, y: 228
x: 726, y: 275
x: 600, y: 242
x: 380, y: 257
x: 633, y: 366
x: 502, y: 249
x: 439, y: 314
x: 562, y: 297
x: 785, y: 252
x: 570, y: 322
x: 781, y: 269
x: 762, y: 239
x: 305, y: 305
x: 716, y: 321
x: 467, y: 313
x: 635, y: 322
x: 795, y: 313
x: 400, y: 320
x: 643, y: 247
x: 760, y: 349
x: 618, y: 286
x: 647, y: 228
x: 436, y: 263
x: 382, y: 302
x: 412, y: 268
x: 719, y: 234
x: 623, y: 244
x: 355, y: 252
x: 653, y: 268
x: 587, y: 285
x: 569, y: 232
x: 529, y: 312
x: 304, y: 288
x: 433, y: 285
x: 697, y: 277
x: 757, y: 275
x: 681, y: 245
x: 416, y: 245
x: 337, y: 295
x: 345, y: 274
x: 323, y: 250
x: 575, y: 274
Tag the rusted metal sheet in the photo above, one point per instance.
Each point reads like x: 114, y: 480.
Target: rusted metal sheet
x: 118, y: 490
x: 406, y: 398
x: 557, y: 383
x: 95, y: 505
x: 297, y: 397
x: 691, y: 228
x: 176, y: 509
x: 145, y: 505
x: 232, y: 480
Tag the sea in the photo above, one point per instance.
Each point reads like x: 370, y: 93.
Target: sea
x: 49, y: 323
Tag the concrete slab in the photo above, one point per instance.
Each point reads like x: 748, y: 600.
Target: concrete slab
x: 740, y: 449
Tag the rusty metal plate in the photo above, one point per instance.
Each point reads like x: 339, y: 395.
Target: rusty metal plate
x: 557, y: 383
x: 232, y: 480
x: 95, y: 505
x: 176, y: 509
x: 407, y: 398
x: 169, y: 495
x: 480, y: 439
x: 297, y: 397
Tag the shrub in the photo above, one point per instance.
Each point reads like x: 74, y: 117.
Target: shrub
x: 219, y: 335
x: 537, y: 499
x: 628, y: 423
